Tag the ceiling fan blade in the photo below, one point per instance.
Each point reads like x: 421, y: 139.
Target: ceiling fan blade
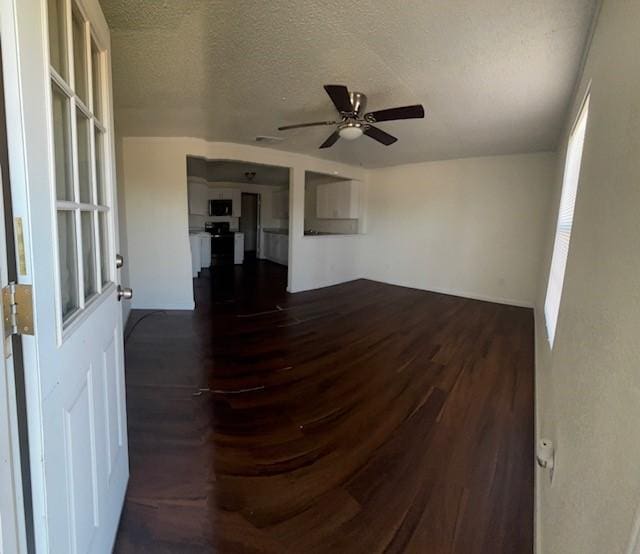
x: 339, y: 95
x: 298, y: 125
x: 380, y: 135
x: 390, y: 114
x: 333, y: 138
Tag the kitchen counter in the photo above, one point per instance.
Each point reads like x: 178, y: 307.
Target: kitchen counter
x: 276, y: 231
x: 309, y: 233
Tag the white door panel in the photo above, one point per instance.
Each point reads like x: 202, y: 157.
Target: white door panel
x: 63, y: 185
x: 88, y: 411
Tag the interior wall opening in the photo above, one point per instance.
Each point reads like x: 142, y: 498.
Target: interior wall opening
x: 238, y: 228
x: 332, y: 205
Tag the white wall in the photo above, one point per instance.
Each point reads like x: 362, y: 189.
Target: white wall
x: 155, y: 187
x: 471, y: 227
x: 588, y: 387
x: 330, y: 259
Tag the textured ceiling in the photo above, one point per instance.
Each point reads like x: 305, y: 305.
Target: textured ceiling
x: 495, y: 76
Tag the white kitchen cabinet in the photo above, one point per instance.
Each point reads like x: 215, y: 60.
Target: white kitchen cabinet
x: 221, y: 194
x: 280, y: 205
x: 276, y: 247
x: 339, y: 200
x: 198, y: 196
x: 238, y: 248
x: 196, y: 253
x: 205, y: 250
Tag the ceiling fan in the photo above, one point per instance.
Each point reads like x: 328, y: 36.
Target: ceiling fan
x: 353, y: 122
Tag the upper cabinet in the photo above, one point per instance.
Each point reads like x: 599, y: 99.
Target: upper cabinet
x: 221, y: 194
x: 200, y: 193
x: 198, y: 197
x: 339, y: 200
x: 280, y: 209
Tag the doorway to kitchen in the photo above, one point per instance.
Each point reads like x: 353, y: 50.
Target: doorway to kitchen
x: 239, y: 233
x: 249, y: 223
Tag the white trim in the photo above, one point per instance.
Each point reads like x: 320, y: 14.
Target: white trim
x: 537, y: 482
x: 60, y: 82
x: 16, y: 130
x: 459, y: 293
x: 12, y: 533
x: 14, y: 456
x: 83, y: 207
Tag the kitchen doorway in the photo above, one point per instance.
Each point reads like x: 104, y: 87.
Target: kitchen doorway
x: 250, y: 224
x: 238, y: 233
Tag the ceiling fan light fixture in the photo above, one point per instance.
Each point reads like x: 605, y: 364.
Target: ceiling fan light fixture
x: 350, y: 131
x: 353, y: 122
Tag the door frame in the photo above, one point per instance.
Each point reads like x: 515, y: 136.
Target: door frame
x: 11, y: 381
x: 23, y: 448
x: 17, y: 130
x: 258, y: 197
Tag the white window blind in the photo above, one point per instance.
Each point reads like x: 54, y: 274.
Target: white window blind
x: 565, y: 221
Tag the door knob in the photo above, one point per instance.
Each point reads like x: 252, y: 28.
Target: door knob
x: 125, y: 293
x: 119, y: 261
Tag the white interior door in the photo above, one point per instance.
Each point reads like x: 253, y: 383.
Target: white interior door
x: 60, y: 129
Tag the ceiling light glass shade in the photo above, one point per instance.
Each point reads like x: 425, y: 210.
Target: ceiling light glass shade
x: 350, y: 133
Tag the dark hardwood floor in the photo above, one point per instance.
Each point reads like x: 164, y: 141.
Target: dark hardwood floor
x: 359, y: 418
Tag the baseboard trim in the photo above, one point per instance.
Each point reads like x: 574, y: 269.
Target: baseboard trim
x: 178, y: 307
x: 325, y: 285
x: 449, y: 292
x: 459, y: 293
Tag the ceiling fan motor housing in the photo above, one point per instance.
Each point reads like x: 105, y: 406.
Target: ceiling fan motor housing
x: 352, y: 125
x: 359, y: 103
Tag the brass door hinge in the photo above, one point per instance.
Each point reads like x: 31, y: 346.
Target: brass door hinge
x: 17, y: 309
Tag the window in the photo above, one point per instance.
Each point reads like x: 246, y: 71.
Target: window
x: 565, y: 221
x: 78, y: 137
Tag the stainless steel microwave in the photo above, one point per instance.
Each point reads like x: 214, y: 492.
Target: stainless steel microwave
x: 220, y: 207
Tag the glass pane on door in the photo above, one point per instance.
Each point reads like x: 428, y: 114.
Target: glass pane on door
x: 88, y: 254
x: 105, y: 265
x: 68, y: 263
x: 58, y: 37
x: 80, y: 58
x: 62, y: 144
x: 84, y: 163
x: 96, y: 69
x: 100, y: 183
